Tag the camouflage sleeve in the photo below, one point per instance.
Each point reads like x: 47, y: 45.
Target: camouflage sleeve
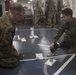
x: 6, y: 38
x: 72, y: 34
x: 60, y: 32
x: 3, y: 18
x: 0, y: 20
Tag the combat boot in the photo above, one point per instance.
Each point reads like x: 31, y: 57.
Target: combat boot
x: 37, y: 25
x: 72, y: 50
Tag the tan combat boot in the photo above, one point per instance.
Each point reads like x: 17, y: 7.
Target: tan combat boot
x: 37, y: 25
x: 72, y: 50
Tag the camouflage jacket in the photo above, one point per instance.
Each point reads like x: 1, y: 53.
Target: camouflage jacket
x: 70, y: 31
x: 7, y: 32
x: 7, y: 29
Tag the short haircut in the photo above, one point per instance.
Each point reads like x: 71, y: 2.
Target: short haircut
x: 67, y: 12
x: 16, y: 7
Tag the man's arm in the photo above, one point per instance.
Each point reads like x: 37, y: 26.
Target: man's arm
x: 59, y: 33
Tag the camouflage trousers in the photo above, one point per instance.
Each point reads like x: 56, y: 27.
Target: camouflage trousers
x: 69, y: 45
x: 8, y: 62
x: 51, y: 18
x: 8, y: 57
x: 36, y: 17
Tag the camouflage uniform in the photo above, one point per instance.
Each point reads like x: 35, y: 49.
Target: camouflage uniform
x: 58, y: 11
x: 37, y: 11
x: 70, y: 37
x: 50, y: 12
x: 8, y: 54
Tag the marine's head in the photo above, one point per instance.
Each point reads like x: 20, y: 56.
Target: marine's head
x: 67, y: 14
x: 17, y: 12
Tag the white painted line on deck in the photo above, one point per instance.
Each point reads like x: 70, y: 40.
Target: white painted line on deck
x: 64, y: 65
x: 51, y: 57
x: 28, y: 59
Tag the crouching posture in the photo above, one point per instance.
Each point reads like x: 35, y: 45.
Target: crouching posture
x: 69, y: 28
x: 8, y: 54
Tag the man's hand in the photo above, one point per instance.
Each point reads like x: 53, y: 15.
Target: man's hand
x: 52, y: 45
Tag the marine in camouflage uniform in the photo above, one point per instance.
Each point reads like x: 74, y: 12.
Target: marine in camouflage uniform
x: 37, y: 11
x: 50, y: 12
x: 58, y: 11
x: 69, y: 41
x: 8, y: 54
